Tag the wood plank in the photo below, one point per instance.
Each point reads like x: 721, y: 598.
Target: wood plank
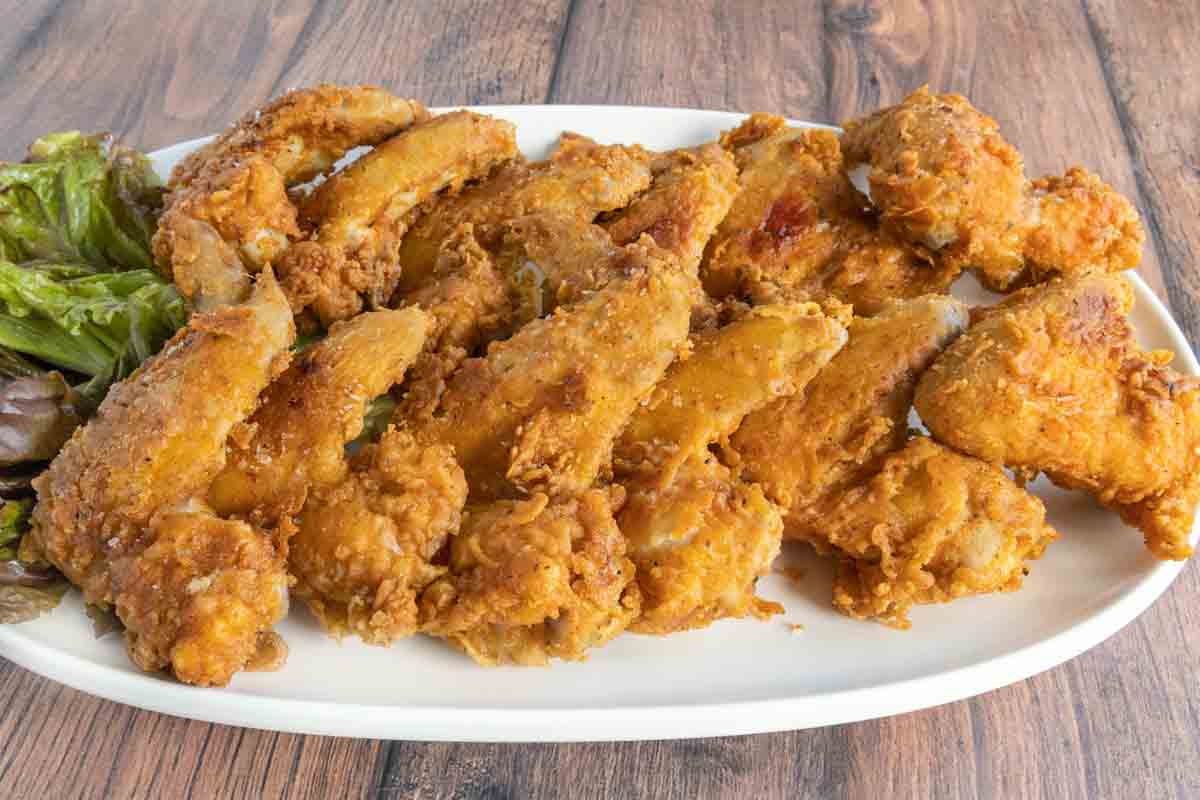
x: 158, y: 73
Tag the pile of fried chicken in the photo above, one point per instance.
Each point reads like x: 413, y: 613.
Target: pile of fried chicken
x: 621, y: 378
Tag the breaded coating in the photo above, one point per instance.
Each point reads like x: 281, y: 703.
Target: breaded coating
x: 807, y: 448
x: 700, y: 544
x: 541, y: 411
x: 361, y: 213
x: 943, y: 177
x: 202, y: 597
x: 230, y: 196
x: 157, y: 441
x: 932, y: 526
x: 552, y: 259
x: 471, y: 303
x: 297, y: 437
x: 799, y: 228
x: 771, y: 352
x: 531, y: 580
x: 691, y: 193
x: 365, y: 547
x: 303, y: 133
x: 582, y: 178
x: 1052, y: 380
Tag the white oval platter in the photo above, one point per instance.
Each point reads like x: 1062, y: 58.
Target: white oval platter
x: 736, y: 677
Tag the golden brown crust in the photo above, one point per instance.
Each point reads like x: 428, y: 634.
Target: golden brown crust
x: 1052, y: 380
x: 932, y: 526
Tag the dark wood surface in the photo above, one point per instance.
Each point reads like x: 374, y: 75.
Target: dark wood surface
x: 1113, y: 85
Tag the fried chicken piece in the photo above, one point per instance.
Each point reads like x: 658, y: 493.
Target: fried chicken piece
x: 228, y: 212
x: 809, y: 447
x: 361, y: 213
x: 365, y: 546
x: 691, y: 193
x: 582, y: 178
x: 799, y: 228
x: 201, y: 597
x: 700, y: 544
x: 297, y: 437
x: 535, y: 579
x: 932, y: 526
x: 701, y: 538
x: 943, y: 177
x: 157, y: 441
x: 304, y: 132
x: 1052, y: 380
x: 470, y: 303
x: 541, y: 411
x: 771, y: 352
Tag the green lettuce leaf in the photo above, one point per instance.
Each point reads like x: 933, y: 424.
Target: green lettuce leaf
x: 79, y: 198
x: 14, y: 521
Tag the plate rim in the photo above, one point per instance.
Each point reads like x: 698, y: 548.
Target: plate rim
x: 593, y: 723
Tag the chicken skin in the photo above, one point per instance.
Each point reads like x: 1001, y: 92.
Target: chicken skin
x: 365, y: 546
x: 943, y: 177
x: 581, y: 178
x: 930, y: 527
x: 228, y: 213
x: 360, y: 214
x: 535, y: 579
x: 296, y: 437
x: 807, y: 448
x: 699, y: 536
x: 129, y: 478
x: 1052, y: 380
x: 541, y: 411
x: 799, y: 225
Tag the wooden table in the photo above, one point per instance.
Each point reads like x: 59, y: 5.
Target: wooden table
x: 1112, y: 85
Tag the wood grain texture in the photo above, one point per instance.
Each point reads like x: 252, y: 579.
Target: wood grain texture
x: 1110, y: 84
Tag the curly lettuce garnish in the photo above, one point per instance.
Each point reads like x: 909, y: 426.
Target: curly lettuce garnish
x: 80, y: 198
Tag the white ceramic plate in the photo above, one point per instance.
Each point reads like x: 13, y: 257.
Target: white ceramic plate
x: 733, y: 678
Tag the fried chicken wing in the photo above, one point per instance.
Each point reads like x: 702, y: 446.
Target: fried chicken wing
x: 296, y: 438
x: 942, y: 176
x: 361, y: 213
x: 806, y: 448
x: 1052, y: 379
x: 156, y: 442
x: 799, y: 225
x: 228, y: 212
x: 583, y: 179
x: 535, y: 579
x: 691, y: 193
x: 365, y: 546
x: 542, y: 409
x: 930, y: 527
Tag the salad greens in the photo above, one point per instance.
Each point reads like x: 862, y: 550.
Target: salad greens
x: 81, y: 307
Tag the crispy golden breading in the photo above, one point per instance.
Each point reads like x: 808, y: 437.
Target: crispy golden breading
x: 943, y: 177
x: 771, y: 352
x: 365, y: 547
x: 932, y: 526
x: 531, y: 580
x: 361, y: 213
x: 541, y: 410
x: 305, y: 131
x: 798, y: 228
x: 700, y: 544
x: 296, y: 438
x: 202, y: 597
x: 230, y: 196
x: 157, y: 440
x: 807, y: 447
x: 691, y: 193
x: 1052, y: 379
x: 581, y: 178
x: 471, y: 303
